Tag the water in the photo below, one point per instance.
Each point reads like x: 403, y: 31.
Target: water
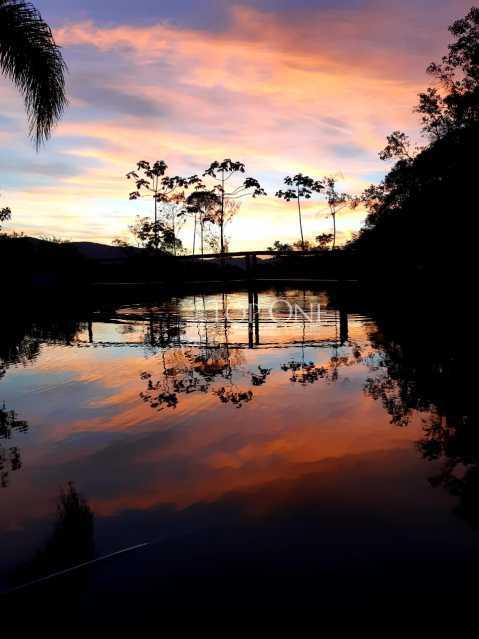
x: 268, y: 439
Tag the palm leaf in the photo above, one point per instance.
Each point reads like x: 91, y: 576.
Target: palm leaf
x: 31, y: 59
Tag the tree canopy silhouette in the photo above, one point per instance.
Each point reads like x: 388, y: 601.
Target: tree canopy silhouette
x: 205, y: 207
x: 410, y: 227
x: 151, y: 181
x: 221, y: 173
x: 5, y: 215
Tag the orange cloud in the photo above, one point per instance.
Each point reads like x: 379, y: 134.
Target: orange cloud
x: 315, y: 94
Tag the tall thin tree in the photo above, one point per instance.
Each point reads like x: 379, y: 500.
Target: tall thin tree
x: 300, y: 187
x: 205, y: 206
x: 337, y: 202
x: 221, y: 173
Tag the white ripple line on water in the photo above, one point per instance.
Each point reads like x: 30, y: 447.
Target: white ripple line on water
x: 77, y: 567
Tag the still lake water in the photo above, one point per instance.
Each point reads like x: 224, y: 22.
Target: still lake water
x: 255, y: 453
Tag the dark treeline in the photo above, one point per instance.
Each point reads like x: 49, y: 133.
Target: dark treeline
x: 40, y: 265
x: 413, y: 224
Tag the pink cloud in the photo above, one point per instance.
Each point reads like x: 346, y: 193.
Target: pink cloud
x: 313, y: 91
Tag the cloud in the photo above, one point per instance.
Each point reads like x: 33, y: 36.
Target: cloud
x: 312, y: 87
x: 349, y: 150
x: 113, y: 100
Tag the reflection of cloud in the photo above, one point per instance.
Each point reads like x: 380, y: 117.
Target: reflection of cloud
x: 221, y: 453
x: 92, y: 427
x: 202, y: 449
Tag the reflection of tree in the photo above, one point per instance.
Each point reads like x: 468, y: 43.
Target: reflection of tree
x: 259, y: 378
x: 456, y: 442
x: 162, y: 330
x: 195, y: 370
x: 384, y: 389
x: 20, y: 343
x: 423, y: 372
x: 199, y: 370
x: 72, y: 540
x: 187, y: 371
x: 16, y: 347
x: 238, y: 398
x: 10, y: 459
x: 395, y: 385
x: 304, y: 372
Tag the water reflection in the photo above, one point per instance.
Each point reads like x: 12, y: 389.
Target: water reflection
x: 433, y: 378
x: 71, y: 542
x: 158, y: 408
x: 21, y: 340
x: 189, y: 371
x: 10, y: 459
x: 20, y: 345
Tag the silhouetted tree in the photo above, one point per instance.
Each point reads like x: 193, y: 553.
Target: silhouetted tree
x: 148, y: 177
x: 458, y: 76
x: 321, y: 243
x: 154, y: 235
x: 280, y: 246
x: 337, y: 202
x: 170, y: 242
x: 147, y: 232
x: 323, y: 240
x: 212, y: 239
x: 303, y: 246
x: 221, y: 173
x: 5, y: 215
x: 408, y: 227
x: 118, y: 241
x: 300, y: 187
x: 398, y: 147
x: 31, y: 59
x: 205, y: 206
x: 151, y: 181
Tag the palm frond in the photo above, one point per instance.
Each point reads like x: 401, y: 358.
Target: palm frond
x: 31, y: 59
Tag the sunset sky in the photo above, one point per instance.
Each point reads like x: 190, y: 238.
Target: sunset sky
x: 310, y: 86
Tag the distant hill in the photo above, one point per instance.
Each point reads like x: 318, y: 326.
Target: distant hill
x: 96, y: 251
x: 87, y: 250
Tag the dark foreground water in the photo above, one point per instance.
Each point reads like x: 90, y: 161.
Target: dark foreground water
x: 245, y: 450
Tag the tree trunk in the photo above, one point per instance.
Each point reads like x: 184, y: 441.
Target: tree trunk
x: 334, y: 229
x: 222, y: 212
x: 174, y: 229
x: 156, y: 238
x: 300, y: 221
x: 194, y: 237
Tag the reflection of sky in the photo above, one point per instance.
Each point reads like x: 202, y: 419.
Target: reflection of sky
x: 89, y: 425
x: 311, y: 86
